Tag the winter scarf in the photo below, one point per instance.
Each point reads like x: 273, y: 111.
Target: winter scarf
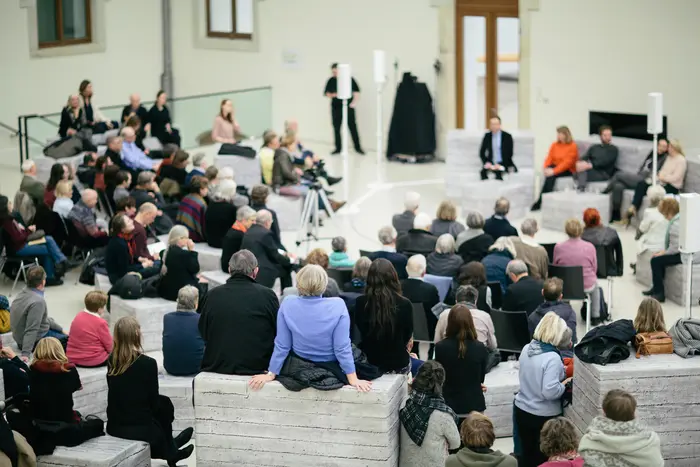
x: 608, y: 443
x: 416, y: 414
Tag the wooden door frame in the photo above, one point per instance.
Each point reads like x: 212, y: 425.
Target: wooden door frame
x: 491, y: 10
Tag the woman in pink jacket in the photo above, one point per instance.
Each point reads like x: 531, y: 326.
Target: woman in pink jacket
x: 90, y: 342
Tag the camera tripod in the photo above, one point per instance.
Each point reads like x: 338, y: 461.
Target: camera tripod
x: 310, y: 215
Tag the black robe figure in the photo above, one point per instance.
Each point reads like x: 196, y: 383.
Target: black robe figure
x: 412, y: 129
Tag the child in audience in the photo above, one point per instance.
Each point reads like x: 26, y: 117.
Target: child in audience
x: 477, y: 438
x: 339, y: 258
x: 90, y: 342
x: 63, y: 203
x: 617, y: 438
x: 559, y: 441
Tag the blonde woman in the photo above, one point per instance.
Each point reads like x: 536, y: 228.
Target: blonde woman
x: 180, y: 265
x: 496, y: 261
x: 135, y: 410
x: 560, y: 162
x: 63, y: 203
x: 72, y: 117
x: 446, y: 220
x: 650, y: 316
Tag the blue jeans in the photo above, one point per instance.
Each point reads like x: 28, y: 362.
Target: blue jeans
x: 58, y: 335
x: 49, y: 254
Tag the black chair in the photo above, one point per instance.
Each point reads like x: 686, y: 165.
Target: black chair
x: 420, y: 325
x: 104, y: 204
x: 365, y: 253
x: 512, y: 330
x: 572, y: 276
x: 78, y: 245
x: 22, y: 262
x: 341, y: 275
x: 603, y: 259
x: 496, y: 294
x: 549, y: 247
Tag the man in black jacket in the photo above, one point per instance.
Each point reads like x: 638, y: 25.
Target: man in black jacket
x: 387, y: 237
x: 497, y: 226
x: 525, y: 292
x: 418, y: 291
x: 598, y: 163
x: 147, y: 191
x: 418, y: 240
x: 496, y: 151
x: 260, y: 241
x: 136, y: 109
x: 239, y: 321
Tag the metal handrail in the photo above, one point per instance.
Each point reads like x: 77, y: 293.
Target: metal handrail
x: 14, y: 131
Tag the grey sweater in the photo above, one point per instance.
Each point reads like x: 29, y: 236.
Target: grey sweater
x: 442, y: 434
x: 603, y: 157
x: 29, y: 320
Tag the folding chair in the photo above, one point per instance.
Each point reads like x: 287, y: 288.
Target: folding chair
x: 496, y: 294
x: 512, y: 330
x: 23, y: 262
x: 572, y: 276
x: 365, y: 253
x: 549, y: 248
x: 341, y: 275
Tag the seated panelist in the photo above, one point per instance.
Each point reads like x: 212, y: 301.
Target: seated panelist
x: 496, y: 151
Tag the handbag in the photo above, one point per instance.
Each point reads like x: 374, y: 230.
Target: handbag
x: 36, y: 235
x: 649, y: 343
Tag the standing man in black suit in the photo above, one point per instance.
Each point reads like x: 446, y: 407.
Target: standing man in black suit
x: 331, y: 92
x: 496, y: 151
x: 525, y: 292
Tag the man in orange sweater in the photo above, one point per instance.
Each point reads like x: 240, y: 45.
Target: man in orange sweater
x: 560, y: 162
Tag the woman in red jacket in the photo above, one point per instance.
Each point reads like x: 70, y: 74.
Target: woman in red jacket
x: 90, y: 341
x: 560, y: 162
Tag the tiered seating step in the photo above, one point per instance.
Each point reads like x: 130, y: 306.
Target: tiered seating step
x: 149, y: 312
x: 179, y: 390
x: 104, y: 451
x: 92, y: 399
x: 215, y: 278
x: 501, y: 383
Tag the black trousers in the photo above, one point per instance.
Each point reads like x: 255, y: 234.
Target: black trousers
x: 101, y: 127
x: 640, y: 191
x: 658, y: 270
x: 169, y: 138
x: 529, y: 427
x: 337, y: 115
x: 548, y: 185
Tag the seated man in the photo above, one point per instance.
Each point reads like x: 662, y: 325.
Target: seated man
x: 273, y: 262
x: 183, y: 347
x: 87, y: 171
x: 496, y: 151
x: 552, y: 294
x: 387, y: 237
x: 404, y: 222
x: 147, y: 191
x: 145, y: 216
x: 497, y: 226
x: 114, y: 151
x: 531, y: 252
x: 525, y: 292
x: 199, y: 166
x: 239, y: 321
x: 135, y: 109
x: 132, y: 156
x: 29, y: 316
x: 418, y: 291
x: 418, y: 240
x: 30, y: 185
x: 83, y: 217
x: 598, y: 163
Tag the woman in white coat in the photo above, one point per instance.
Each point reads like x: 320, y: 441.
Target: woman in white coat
x: 651, y: 233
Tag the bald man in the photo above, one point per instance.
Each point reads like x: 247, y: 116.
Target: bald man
x: 136, y: 109
x: 145, y: 216
x: 85, y: 221
x: 132, y: 156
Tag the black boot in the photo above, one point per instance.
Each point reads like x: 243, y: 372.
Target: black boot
x: 184, y: 437
x: 182, y: 454
x: 649, y: 292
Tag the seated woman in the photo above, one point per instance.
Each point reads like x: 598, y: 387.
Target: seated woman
x: 120, y: 190
x: 245, y: 217
x: 559, y: 442
x: 600, y: 235
x: 52, y: 382
x: 286, y: 178
x: 500, y: 254
x: 63, y: 203
x: 225, y: 124
x: 90, y: 342
x: 58, y: 172
x: 443, y: 261
x: 302, y: 156
x: 221, y: 213
x: 183, y: 346
x: 17, y: 238
x: 95, y: 118
x: 313, y: 328
x: 542, y: 383
x: 359, y: 276
x: 100, y: 165
x: 15, y: 373
x: 318, y: 257
x: 428, y: 424
x: 464, y: 359
x: 180, y: 265
x: 651, y: 233
x: 478, y: 436
x: 473, y: 244
x: 192, y: 209
x: 271, y: 144
x: 176, y: 170
x: 119, y: 255
x: 385, y: 319
x: 670, y: 255
x: 135, y: 409
x: 671, y: 177
x: 560, y: 162
x: 445, y: 221
x: 161, y: 125
x: 72, y: 118
x: 650, y: 316
x: 339, y: 258
x: 258, y: 201
x: 474, y: 274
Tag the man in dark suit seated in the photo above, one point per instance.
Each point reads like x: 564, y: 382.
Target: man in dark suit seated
x: 387, y: 236
x: 525, y: 292
x: 497, y: 225
x: 496, y: 151
x: 147, y: 191
x: 273, y: 264
x: 135, y: 109
x: 404, y: 222
x: 114, y: 152
x: 418, y: 291
x: 418, y: 240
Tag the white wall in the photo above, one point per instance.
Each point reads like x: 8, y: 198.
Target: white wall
x: 604, y: 55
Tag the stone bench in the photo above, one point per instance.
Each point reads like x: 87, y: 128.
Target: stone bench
x: 277, y: 427
x: 481, y: 196
x: 562, y: 205
x: 215, y: 278
x: 501, y: 383
x: 92, y: 399
x: 102, y: 283
x: 105, y: 451
x: 44, y: 164
x: 674, y: 282
x: 208, y: 256
x: 149, y: 312
x: 288, y: 209
x: 662, y: 386
x: 246, y: 171
x: 179, y: 390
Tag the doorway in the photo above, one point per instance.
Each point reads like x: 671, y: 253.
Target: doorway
x: 487, y: 62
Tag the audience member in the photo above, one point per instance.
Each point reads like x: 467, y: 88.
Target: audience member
x: 478, y: 436
x: 120, y: 254
x: 385, y: 319
x: 26, y: 243
x: 339, y: 257
x: 651, y: 233
x: 238, y: 322
x: 531, y: 252
x: 497, y: 226
x: 90, y: 342
x: 58, y: 172
x: 443, y: 261
x: 303, y: 156
x: 199, y: 167
x: 63, y: 203
x: 87, y: 170
x: 473, y: 244
x: 101, y: 164
x: 496, y: 262
x: 144, y: 218
x: 192, y: 210
x: 428, y: 424
x: 474, y: 274
x: 603, y: 236
x: 95, y: 119
x: 23, y: 209
x: 542, y: 383
x: 161, y: 125
x: 258, y: 201
x: 30, y: 185
x: 225, y: 124
x: 387, y: 237
x: 135, y: 409
x: 260, y: 241
x: 525, y: 292
x: 286, y: 179
x: 446, y: 221
x: 147, y: 191
x: 120, y: 189
x: 359, y: 276
x: 618, y: 438
x: 418, y: 291
x: 183, y: 347
x: 114, y: 151
x: 465, y: 360
x: 212, y: 175
x: 418, y: 240
x: 29, y: 315
x: 319, y: 257
x: 552, y: 294
x: 126, y: 206
x: 135, y: 109
x: 559, y: 442
x: 221, y: 213
x: 15, y: 373
x: 177, y: 169
x: 72, y: 118
x: 245, y: 217
x: 560, y: 162
x: 404, y: 222
x: 271, y: 144
x: 180, y: 265
x: 496, y: 151
x: 598, y: 163
x: 132, y: 155
x: 650, y: 316
x: 85, y: 221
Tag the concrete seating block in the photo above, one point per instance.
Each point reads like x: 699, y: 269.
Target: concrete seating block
x: 92, y: 399
x: 675, y: 283
x: 562, y: 205
x: 209, y: 257
x: 288, y: 209
x: 215, y: 278
x: 692, y: 176
x: 105, y: 451
x: 152, y: 144
x: 277, y: 427
x: 8, y: 340
x: 102, y: 283
x: 568, y: 184
x: 502, y: 383
x: 659, y: 383
x: 101, y: 139
x: 149, y: 312
x: 101, y: 150
x: 43, y: 165
x: 481, y: 196
x: 246, y: 170
x: 179, y: 390
x: 643, y: 275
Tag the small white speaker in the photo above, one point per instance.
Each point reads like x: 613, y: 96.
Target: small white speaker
x: 344, y: 81
x: 379, y: 67
x: 690, y: 222
x: 655, y: 113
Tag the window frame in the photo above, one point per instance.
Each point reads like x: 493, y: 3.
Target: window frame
x: 233, y: 35
x: 61, y: 42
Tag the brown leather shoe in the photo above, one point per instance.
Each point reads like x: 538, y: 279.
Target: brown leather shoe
x: 335, y: 205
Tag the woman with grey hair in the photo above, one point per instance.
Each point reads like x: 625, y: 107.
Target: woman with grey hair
x: 443, y: 261
x: 473, y: 244
x: 220, y: 214
x: 183, y: 347
x: 180, y: 265
x: 245, y: 217
x: 651, y: 233
x: 315, y: 329
x: 496, y: 262
x: 359, y: 276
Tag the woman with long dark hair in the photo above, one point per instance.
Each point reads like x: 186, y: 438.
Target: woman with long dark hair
x: 95, y: 119
x: 161, y: 125
x: 225, y: 125
x: 474, y: 273
x: 58, y: 172
x: 385, y: 319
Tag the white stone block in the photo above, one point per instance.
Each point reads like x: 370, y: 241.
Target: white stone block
x: 149, y: 312
x: 104, y: 451
x: 209, y: 257
x: 179, y: 390
x: 246, y: 170
x: 152, y: 144
x: 288, y: 209
x: 563, y: 205
x: 44, y: 164
x: 92, y: 399
x: 501, y: 383
x: 102, y: 283
x: 481, y: 196
x: 215, y: 278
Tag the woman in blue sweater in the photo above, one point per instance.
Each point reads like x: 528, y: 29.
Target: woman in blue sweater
x: 500, y: 254
x: 314, y: 328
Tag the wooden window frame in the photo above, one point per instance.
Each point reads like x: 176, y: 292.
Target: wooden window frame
x: 225, y: 35
x: 61, y: 42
